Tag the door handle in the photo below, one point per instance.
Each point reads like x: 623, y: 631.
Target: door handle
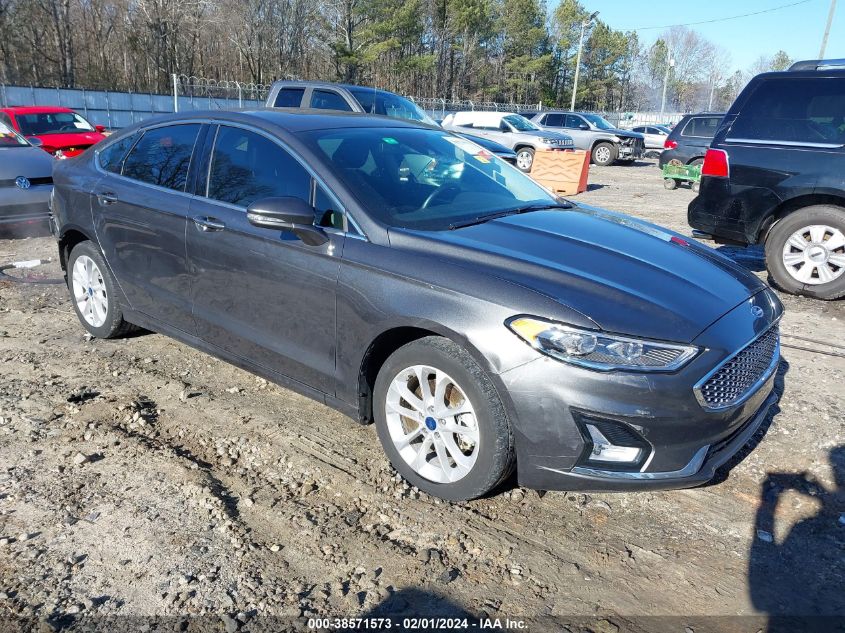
x: 208, y: 224
x: 106, y: 198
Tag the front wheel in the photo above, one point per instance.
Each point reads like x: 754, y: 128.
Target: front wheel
x: 805, y: 252
x: 441, y: 421
x: 92, y: 291
x: 604, y: 154
x: 524, y: 159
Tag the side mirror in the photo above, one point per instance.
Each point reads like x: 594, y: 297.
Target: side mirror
x: 287, y: 214
x: 583, y: 126
x: 100, y: 128
x: 35, y: 141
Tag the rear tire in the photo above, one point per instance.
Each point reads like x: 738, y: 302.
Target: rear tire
x: 696, y: 162
x: 604, y: 154
x: 93, y: 293
x: 452, y: 438
x: 806, y: 248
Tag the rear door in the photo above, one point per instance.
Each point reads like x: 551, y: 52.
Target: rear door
x: 262, y: 294
x: 140, y: 211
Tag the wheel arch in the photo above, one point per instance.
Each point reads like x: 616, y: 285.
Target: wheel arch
x: 791, y: 205
x: 70, y: 237
x: 524, y: 145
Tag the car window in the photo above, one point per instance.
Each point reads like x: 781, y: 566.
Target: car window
x: 554, y: 120
x: 328, y: 100
x: 289, y: 97
x: 40, y: 123
x: 10, y: 138
x: 572, y: 122
x: 328, y: 213
x: 794, y: 111
x: 702, y: 126
x: 162, y: 156
x: 246, y: 166
x: 422, y: 178
x: 111, y: 157
x: 389, y: 104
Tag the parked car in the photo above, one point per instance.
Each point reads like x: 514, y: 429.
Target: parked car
x: 60, y: 131
x: 605, y: 142
x: 654, y: 136
x: 26, y: 180
x: 511, y: 130
x: 690, y: 139
x: 324, y: 95
x: 774, y: 175
x: 379, y: 266
x: 497, y: 149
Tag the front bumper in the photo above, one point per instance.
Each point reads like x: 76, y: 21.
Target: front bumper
x: 548, y: 401
x: 24, y: 206
x: 629, y: 150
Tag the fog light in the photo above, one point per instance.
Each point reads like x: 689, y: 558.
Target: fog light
x: 607, y: 452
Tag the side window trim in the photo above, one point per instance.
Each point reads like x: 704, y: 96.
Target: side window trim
x: 348, y: 219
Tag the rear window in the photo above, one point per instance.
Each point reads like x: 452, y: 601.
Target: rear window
x: 794, y: 110
x: 289, y: 97
x: 702, y: 126
x: 162, y: 156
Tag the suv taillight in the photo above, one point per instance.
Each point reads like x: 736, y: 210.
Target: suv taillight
x: 716, y: 164
x: 670, y: 144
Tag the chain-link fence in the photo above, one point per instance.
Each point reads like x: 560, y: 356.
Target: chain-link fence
x: 201, y: 93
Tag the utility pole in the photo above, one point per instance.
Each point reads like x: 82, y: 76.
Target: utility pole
x: 578, y: 58
x: 827, y: 28
x: 669, y: 63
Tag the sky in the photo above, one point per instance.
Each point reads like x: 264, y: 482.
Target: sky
x: 797, y: 29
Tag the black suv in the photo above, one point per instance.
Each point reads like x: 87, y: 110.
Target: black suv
x: 775, y: 175
x: 690, y: 139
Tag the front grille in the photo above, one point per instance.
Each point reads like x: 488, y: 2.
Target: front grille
x: 737, y: 378
x: 33, y: 182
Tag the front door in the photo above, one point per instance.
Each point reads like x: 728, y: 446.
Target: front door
x: 140, y: 210
x: 262, y: 294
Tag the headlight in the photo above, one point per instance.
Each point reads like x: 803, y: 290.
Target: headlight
x: 599, y: 350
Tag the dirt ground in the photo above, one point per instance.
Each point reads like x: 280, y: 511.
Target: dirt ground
x: 140, y: 477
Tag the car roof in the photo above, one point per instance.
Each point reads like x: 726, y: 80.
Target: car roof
x: 328, y: 84
x: 34, y: 109
x: 294, y: 119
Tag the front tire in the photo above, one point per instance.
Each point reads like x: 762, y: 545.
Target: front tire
x: 92, y: 292
x: 805, y: 252
x: 524, y: 159
x: 441, y: 421
x: 604, y: 154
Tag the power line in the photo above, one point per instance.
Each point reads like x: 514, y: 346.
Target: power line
x: 733, y: 17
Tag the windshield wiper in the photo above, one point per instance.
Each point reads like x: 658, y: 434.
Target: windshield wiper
x: 481, y: 219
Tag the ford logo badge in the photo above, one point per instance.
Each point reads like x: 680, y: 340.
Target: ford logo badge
x: 757, y: 312
x: 22, y: 183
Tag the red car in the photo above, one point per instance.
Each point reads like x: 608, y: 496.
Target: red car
x: 59, y: 131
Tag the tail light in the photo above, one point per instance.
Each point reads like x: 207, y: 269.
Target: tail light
x: 670, y: 144
x: 716, y: 164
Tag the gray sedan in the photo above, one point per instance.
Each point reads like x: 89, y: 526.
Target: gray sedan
x: 403, y: 275
x: 26, y: 180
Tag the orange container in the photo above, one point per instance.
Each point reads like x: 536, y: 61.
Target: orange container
x: 564, y: 173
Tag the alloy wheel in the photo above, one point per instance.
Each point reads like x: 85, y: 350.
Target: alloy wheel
x: 432, y: 424
x: 524, y: 159
x: 815, y: 254
x: 89, y: 291
x: 602, y: 154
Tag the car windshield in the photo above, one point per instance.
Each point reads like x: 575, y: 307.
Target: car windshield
x: 520, y: 123
x: 389, y: 104
x: 40, y: 123
x: 599, y: 122
x: 423, y: 179
x: 10, y: 138
x: 663, y: 128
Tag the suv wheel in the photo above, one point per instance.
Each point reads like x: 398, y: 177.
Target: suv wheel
x: 92, y: 291
x: 604, y: 154
x: 524, y: 158
x: 805, y: 252
x: 441, y: 422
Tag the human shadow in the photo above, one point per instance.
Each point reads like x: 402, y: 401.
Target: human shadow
x: 798, y: 581
x: 424, y: 610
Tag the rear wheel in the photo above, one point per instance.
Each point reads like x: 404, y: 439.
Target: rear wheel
x: 805, y: 252
x: 92, y: 291
x: 697, y: 162
x: 441, y: 421
x: 524, y: 158
x: 604, y: 154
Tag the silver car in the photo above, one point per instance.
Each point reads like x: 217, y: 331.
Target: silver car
x: 606, y: 143
x: 655, y: 135
x: 26, y: 180
x: 511, y: 130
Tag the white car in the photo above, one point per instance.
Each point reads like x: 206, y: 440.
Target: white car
x: 654, y: 135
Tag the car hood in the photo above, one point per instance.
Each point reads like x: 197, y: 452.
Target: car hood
x: 75, y: 139
x: 625, y: 133
x: 624, y: 274
x: 29, y: 162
